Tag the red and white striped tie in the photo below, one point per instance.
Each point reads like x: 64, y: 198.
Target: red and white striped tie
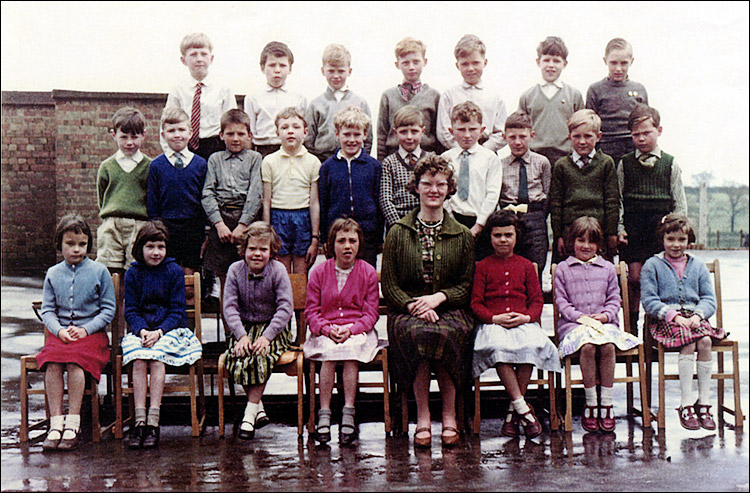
x: 195, y: 118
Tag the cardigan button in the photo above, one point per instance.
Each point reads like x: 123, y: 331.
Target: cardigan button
x: 438, y: 257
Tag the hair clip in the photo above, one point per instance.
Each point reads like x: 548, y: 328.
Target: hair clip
x: 663, y: 219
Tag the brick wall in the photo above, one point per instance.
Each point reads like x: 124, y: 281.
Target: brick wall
x: 51, y: 147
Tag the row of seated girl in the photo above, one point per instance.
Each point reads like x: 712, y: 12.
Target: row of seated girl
x: 342, y: 309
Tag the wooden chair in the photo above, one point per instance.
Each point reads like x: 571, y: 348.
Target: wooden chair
x: 621, y: 357
x: 291, y: 361
x: 28, y: 365
x: 719, y: 348
x: 194, y: 385
x: 540, y: 382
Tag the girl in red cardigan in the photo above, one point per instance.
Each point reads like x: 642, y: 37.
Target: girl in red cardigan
x: 507, y: 301
x: 341, y: 311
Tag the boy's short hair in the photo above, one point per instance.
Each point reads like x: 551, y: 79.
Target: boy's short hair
x: 585, y: 117
x: 173, y: 114
x: 408, y: 115
x: 235, y: 115
x: 351, y: 116
x: 74, y: 223
x: 277, y: 49
x: 501, y: 219
x: 129, y: 120
x: 432, y: 164
x: 518, y: 119
x: 410, y: 45
x: 643, y: 112
x: 290, y: 112
x: 337, y: 55
x: 467, y: 44
x: 579, y: 228
x: 465, y: 112
x: 153, y: 230
x: 343, y: 224
x: 618, y: 44
x: 195, y: 40
x: 675, y: 222
x: 262, y: 231
x: 553, y: 46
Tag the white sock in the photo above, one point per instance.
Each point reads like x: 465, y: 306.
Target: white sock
x: 590, y: 396
x: 685, y: 365
x: 56, y: 423
x: 72, y: 424
x: 251, y: 410
x: 606, y: 399
x: 520, y: 406
x: 704, y: 381
x: 260, y: 406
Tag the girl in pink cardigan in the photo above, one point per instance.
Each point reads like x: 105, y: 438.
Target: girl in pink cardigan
x: 341, y: 311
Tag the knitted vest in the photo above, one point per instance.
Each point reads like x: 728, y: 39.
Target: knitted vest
x: 647, y: 189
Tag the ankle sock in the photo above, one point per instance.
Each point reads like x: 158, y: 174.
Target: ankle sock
x: 324, y: 418
x: 251, y: 410
x: 520, y: 406
x: 153, y: 417
x: 347, y: 417
x: 57, y: 423
x: 704, y: 380
x: 606, y: 399
x: 140, y: 416
x: 72, y: 425
x: 685, y: 365
x: 590, y: 393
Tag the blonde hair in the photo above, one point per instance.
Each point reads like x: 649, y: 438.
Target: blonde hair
x: 290, y: 112
x: 410, y: 45
x: 618, y: 44
x: 262, y: 231
x: 336, y: 54
x: 585, y: 117
x: 173, y: 114
x: 195, y: 40
x: 352, y: 116
x: 468, y: 44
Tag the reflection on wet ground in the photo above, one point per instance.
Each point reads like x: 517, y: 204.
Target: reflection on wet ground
x: 632, y: 458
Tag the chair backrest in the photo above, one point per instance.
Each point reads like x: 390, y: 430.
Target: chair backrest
x: 194, y: 310
x: 713, y: 267
x: 621, y: 269
x: 299, y: 295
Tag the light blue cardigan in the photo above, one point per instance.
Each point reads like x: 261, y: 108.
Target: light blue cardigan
x: 662, y: 290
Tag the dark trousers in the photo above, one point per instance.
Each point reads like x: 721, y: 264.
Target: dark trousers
x: 208, y: 146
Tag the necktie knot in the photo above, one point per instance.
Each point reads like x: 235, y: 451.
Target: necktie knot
x: 585, y: 160
x: 179, y: 163
x: 412, y: 159
x: 254, y: 277
x: 646, y: 159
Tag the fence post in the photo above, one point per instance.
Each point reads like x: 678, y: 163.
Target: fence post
x: 717, y: 238
x: 742, y: 236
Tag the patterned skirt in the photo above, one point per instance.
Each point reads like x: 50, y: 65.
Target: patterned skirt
x: 607, y: 334
x: 90, y: 353
x: 449, y: 342
x: 256, y: 369
x: 673, y: 335
x: 360, y: 347
x: 175, y: 348
x: 525, y: 344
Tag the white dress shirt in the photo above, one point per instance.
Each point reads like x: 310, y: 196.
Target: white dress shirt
x: 485, y: 182
x: 128, y: 163
x: 493, y: 114
x: 262, y: 108
x: 549, y: 89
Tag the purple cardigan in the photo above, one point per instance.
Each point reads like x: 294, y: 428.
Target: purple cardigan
x: 258, y: 300
x: 582, y: 289
x: 356, y: 303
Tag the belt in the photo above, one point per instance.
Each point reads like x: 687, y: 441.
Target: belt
x: 522, y: 208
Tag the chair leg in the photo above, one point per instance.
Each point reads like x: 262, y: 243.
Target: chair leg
x: 662, y: 403
x: 404, y: 411
x: 476, y: 427
x: 386, y: 396
x: 201, y: 396
x: 568, y: 398
x: 629, y: 389
x: 193, y: 404
x: 24, y: 431
x: 554, y: 418
x: 220, y: 392
x: 645, y: 408
x: 312, y: 389
x: 720, y: 387
x: 739, y: 418
x: 300, y: 394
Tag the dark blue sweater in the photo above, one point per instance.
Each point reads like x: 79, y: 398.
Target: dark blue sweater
x: 355, y: 196
x: 155, y: 297
x: 174, y: 193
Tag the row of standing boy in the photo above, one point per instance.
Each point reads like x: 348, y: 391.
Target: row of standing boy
x: 300, y: 198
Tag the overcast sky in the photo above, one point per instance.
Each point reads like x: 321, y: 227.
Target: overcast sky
x: 692, y: 57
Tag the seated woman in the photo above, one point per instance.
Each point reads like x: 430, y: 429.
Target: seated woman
x: 428, y: 266
x: 341, y: 309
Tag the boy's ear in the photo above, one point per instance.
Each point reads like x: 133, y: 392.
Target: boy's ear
x: 598, y: 135
x: 182, y: 59
x: 450, y: 129
x: 112, y: 132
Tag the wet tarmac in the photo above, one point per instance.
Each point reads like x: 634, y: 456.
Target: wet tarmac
x: 631, y: 459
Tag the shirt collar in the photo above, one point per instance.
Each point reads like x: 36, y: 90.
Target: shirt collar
x: 656, y: 152
x: 301, y: 152
x: 187, y: 156
x: 577, y: 157
x: 471, y: 149
x: 270, y: 88
x: 338, y: 94
x: 557, y: 83
x: 136, y: 157
x: 478, y: 85
x: 206, y: 81
x: 405, y: 154
x: 341, y: 156
x: 526, y: 158
x: 231, y: 155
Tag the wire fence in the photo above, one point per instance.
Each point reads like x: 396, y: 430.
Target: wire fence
x: 727, y: 239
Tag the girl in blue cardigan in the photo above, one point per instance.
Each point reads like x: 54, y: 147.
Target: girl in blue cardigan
x: 157, y: 327
x: 677, y: 294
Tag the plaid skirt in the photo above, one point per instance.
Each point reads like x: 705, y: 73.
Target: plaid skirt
x: 449, y: 342
x: 673, y: 335
x: 175, y: 348
x: 256, y: 369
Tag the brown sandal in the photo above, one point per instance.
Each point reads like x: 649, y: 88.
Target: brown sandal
x: 449, y: 440
x: 423, y: 442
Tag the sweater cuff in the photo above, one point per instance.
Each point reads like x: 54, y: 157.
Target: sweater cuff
x: 671, y: 314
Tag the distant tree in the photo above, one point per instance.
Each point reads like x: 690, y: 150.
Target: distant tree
x: 707, y: 176
x: 738, y: 200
